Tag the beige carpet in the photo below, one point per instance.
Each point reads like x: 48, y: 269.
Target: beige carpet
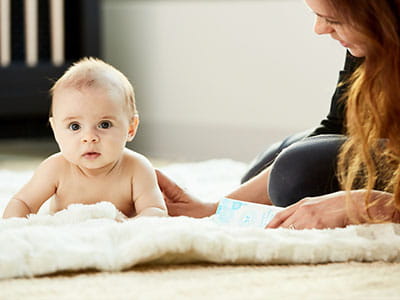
x: 329, y: 281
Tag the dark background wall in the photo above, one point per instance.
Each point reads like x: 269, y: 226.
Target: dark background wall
x: 24, y: 98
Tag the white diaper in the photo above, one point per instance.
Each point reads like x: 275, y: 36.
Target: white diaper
x: 244, y: 214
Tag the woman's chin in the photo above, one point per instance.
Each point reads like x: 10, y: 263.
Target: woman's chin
x: 356, y: 52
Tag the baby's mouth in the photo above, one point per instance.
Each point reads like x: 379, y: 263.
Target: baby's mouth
x: 91, y: 155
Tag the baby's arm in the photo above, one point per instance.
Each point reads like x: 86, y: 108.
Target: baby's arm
x: 147, y: 196
x: 33, y: 194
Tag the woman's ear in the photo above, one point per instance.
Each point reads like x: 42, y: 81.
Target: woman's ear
x: 133, y: 126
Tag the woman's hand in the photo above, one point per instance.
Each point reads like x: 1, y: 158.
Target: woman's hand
x: 327, y: 211
x: 180, y: 203
x: 332, y: 210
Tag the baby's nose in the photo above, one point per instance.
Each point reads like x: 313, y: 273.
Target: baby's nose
x: 90, y: 137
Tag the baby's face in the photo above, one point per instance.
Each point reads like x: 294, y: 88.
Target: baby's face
x: 91, y: 127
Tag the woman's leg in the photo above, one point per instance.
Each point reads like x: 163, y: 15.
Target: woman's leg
x: 266, y: 158
x: 305, y: 169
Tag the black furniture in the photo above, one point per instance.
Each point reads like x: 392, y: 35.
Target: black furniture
x: 24, y: 99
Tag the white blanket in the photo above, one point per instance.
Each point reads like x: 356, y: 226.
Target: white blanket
x: 89, y: 237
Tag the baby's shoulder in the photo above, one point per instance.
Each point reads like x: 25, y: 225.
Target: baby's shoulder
x: 51, y: 166
x: 135, y: 160
x: 55, y: 162
x: 139, y: 168
x: 55, y: 159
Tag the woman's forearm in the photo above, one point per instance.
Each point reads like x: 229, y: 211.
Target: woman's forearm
x: 255, y: 190
x: 379, y: 208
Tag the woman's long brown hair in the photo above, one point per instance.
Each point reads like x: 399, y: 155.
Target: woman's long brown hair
x: 370, y: 158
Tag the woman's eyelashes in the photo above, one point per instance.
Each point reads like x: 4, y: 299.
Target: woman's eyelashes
x: 332, y: 22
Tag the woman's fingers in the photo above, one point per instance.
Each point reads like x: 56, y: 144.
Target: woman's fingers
x: 163, y: 180
x: 172, y: 192
x: 181, y: 203
x: 281, y: 217
x: 176, y: 209
x: 326, y: 211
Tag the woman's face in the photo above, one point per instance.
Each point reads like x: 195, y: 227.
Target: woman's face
x: 327, y: 23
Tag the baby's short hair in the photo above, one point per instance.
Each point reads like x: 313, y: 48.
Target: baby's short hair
x: 93, y: 72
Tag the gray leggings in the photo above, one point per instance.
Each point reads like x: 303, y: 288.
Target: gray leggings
x: 304, y: 168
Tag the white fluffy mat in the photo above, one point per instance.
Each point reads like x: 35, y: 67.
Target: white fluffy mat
x: 89, y: 237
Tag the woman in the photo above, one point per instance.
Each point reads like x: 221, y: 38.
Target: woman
x: 352, y: 176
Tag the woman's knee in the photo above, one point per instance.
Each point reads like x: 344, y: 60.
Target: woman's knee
x: 305, y: 169
x: 266, y: 158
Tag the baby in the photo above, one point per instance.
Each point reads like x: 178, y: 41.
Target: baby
x: 93, y: 115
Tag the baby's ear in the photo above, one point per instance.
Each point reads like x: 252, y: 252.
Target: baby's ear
x: 133, y: 126
x: 51, y: 121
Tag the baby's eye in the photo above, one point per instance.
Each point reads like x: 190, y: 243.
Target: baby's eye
x: 74, y: 126
x: 105, y: 125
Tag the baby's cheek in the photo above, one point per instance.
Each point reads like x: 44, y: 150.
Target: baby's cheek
x: 69, y: 152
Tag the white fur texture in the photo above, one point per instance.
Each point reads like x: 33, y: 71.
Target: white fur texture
x: 92, y: 237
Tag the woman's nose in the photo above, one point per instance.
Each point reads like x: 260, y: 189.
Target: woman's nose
x: 89, y: 137
x: 322, y: 27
